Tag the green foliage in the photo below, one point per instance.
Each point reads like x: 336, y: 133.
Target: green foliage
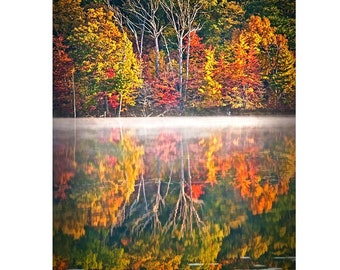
x: 219, y: 19
x: 67, y: 14
x: 89, y: 253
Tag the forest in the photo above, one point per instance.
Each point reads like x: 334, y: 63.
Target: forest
x: 173, y: 58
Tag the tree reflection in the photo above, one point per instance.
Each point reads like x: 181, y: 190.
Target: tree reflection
x: 64, y: 167
x: 160, y: 157
x: 168, y: 199
x: 184, y: 214
x: 262, y: 175
x: 102, y: 184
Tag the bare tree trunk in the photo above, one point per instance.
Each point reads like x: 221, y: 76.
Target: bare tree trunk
x: 157, y: 56
x: 180, y: 66
x: 181, y: 16
x: 139, y: 40
x: 151, y: 216
x: 74, y: 97
x: 147, y: 13
x: 141, y: 189
x: 120, y: 103
x: 187, y: 67
x: 106, y: 106
x: 168, y: 53
x: 74, y: 140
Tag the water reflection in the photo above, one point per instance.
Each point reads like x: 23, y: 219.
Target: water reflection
x: 203, y: 193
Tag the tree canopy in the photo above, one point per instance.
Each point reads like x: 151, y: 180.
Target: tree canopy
x: 135, y: 58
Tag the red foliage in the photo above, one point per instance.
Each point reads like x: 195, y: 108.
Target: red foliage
x: 197, y: 190
x: 196, y: 47
x: 112, y: 161
x: 164, y: 91
x: 166, y: 147
x: 196, y: 66
x: 115, y: 135
x: 114, y: 101
x: 62, y: 78
x: 110, y: 73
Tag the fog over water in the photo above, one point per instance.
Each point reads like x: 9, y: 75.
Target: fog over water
x: 176, y: 122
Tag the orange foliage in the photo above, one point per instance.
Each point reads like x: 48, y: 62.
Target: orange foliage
x: 242, y: 180
x: 125, y: 241
x: 197, y: 191
x: 283, y: 186
x: 249, y: 183
x: 224, y: 163
x: 196, y: 65
x: 63, y: 170
x: 59, y: 263
x: 263, y: 200
x: 242, y: 79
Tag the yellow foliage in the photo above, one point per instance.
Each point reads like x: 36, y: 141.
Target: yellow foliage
x: 102, y: 47
x: 211, y: 90
x: 214, y: 145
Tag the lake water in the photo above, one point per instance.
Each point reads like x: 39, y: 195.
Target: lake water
x: 174, y: 193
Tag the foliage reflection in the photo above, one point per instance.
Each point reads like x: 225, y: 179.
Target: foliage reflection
x: 169, y: 198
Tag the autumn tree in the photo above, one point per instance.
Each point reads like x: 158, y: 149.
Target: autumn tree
x: 197, y: 60
x: 277, y: 62
x: 63, y: 94
x: 211, y: 90
x: 116, y: 176
x: 164, y: 92
x: 161, y: 89
x: 242, y: 83
x: 282, y: 78
x: 282, y: 16
x: 182, y: 15
x: 211, y: 146
x: 104, y: 62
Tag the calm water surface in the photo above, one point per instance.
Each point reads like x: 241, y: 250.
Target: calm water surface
x: 174, y: 193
